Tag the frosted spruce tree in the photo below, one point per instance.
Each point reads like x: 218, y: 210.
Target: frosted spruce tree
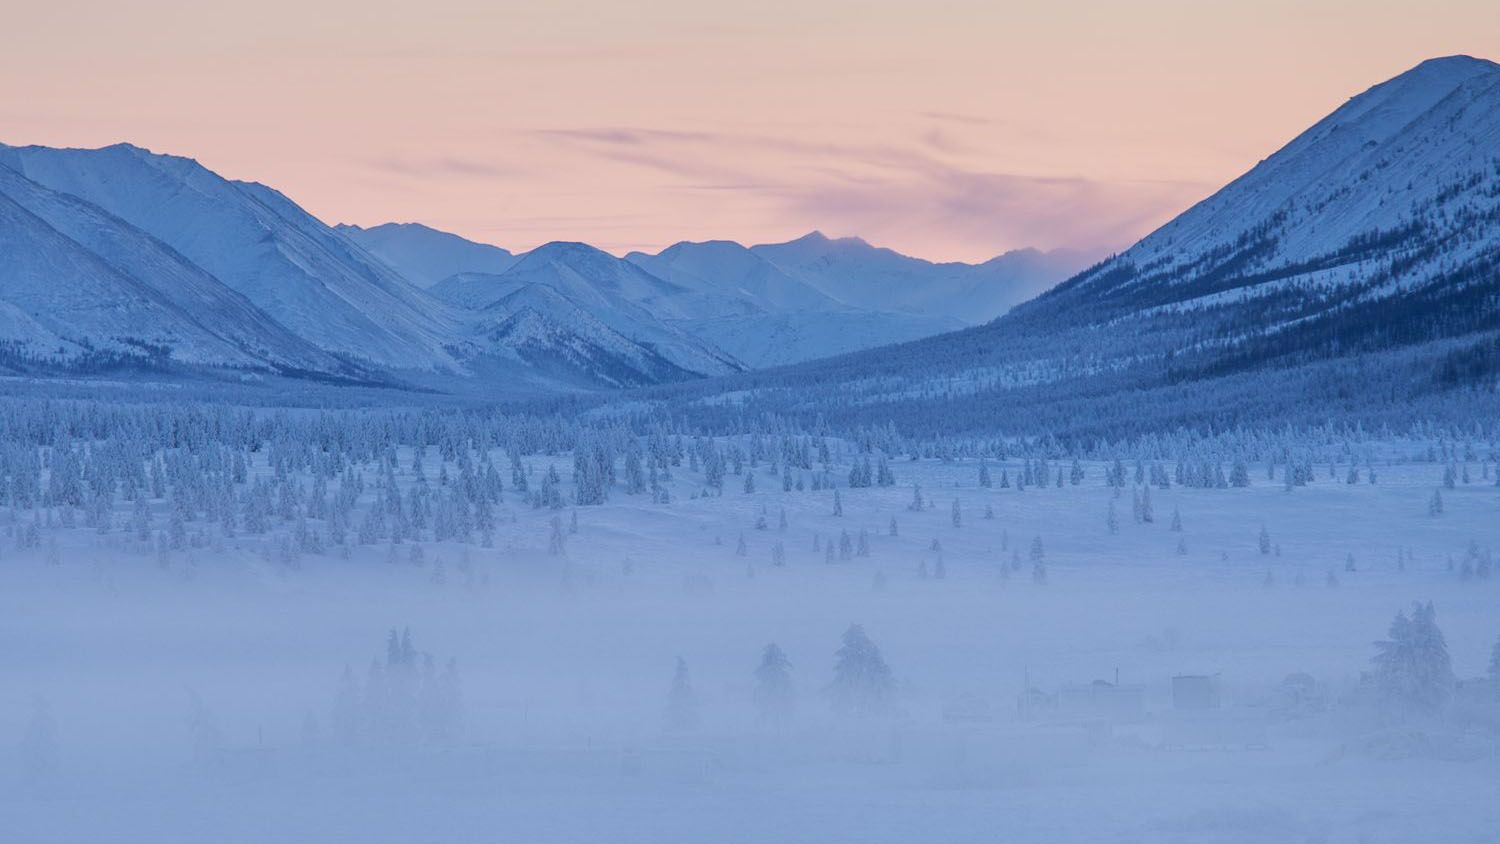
x: 862, y: 683
x: 1412, y: 669
x: 775, y: 697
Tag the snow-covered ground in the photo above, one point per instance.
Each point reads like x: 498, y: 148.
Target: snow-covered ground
x: 197, y: 696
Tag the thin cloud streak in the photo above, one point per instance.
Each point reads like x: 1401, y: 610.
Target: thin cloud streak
x: 890, y: 193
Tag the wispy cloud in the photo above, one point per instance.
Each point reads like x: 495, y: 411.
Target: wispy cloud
x: 951, y: 117
x: 443, y: 166
x: 927, y: 191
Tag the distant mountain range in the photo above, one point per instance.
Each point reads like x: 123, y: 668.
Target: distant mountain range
x: 120, y: 258
x: 1356, y: 268
x: 1362, y: 259
x: 759, y: 305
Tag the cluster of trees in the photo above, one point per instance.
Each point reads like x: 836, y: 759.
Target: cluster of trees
x: 404, y: 699
x: 1412, y: 667
x: 862, y: 686
x: 183, y: 476
x: 1412, y: 670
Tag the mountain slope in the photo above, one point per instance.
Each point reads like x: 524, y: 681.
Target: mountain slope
x: 1355, y: 272
x: 537, y: 325
x: 76, y: 281
x: 780, y: 339
x: 425, y: 256
x: 1378, y: 226
x: 618, y: 294
x: 777, y: 319
x: 298, y: 271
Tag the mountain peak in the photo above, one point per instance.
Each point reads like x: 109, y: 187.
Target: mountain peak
x: 1457, y: 63
x: 1433, y: 79
x: 565, y: 250
x: 817, y: 239
x: 566, y: 246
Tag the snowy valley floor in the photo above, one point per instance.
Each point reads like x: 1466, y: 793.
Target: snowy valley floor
x: 200, y: 700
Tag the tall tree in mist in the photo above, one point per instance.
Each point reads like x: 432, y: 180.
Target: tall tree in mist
x: 1412, y: 667
x: 862, y: 683
x: 775, y: 697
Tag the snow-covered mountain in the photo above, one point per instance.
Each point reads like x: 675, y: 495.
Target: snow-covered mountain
x: 298, y: 271
x: 832, y: 297
x: 778, y: 339
x: 616, y: 293
x: 77, y: 283
x: 1358, y: 268
x: 236, y: 274
x: 1377, y: 227
x: 425, y: 256
x: 778, y: 319
x: 852, y: 271
x: 733, y: 271
x: 539, y: 326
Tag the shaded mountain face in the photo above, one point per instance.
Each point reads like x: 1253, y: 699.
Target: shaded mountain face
x: 1357, y: 267
x: 630, y: 301
x: 544, y: 329
x: 293, y: 268
x: 78, y: 285
x: 425, y: 256
x: 1377, y: 228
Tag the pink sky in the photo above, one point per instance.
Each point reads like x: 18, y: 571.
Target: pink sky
x: 951, y: 130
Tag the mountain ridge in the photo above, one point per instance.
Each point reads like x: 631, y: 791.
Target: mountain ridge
x: 1357, y: 267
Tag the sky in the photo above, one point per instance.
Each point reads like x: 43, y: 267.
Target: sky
x: 949, y: 129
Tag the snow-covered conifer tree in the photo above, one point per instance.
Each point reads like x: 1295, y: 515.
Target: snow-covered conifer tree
x: 775, y: 696
x: 1412, y: 667
x: 862, y: 683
